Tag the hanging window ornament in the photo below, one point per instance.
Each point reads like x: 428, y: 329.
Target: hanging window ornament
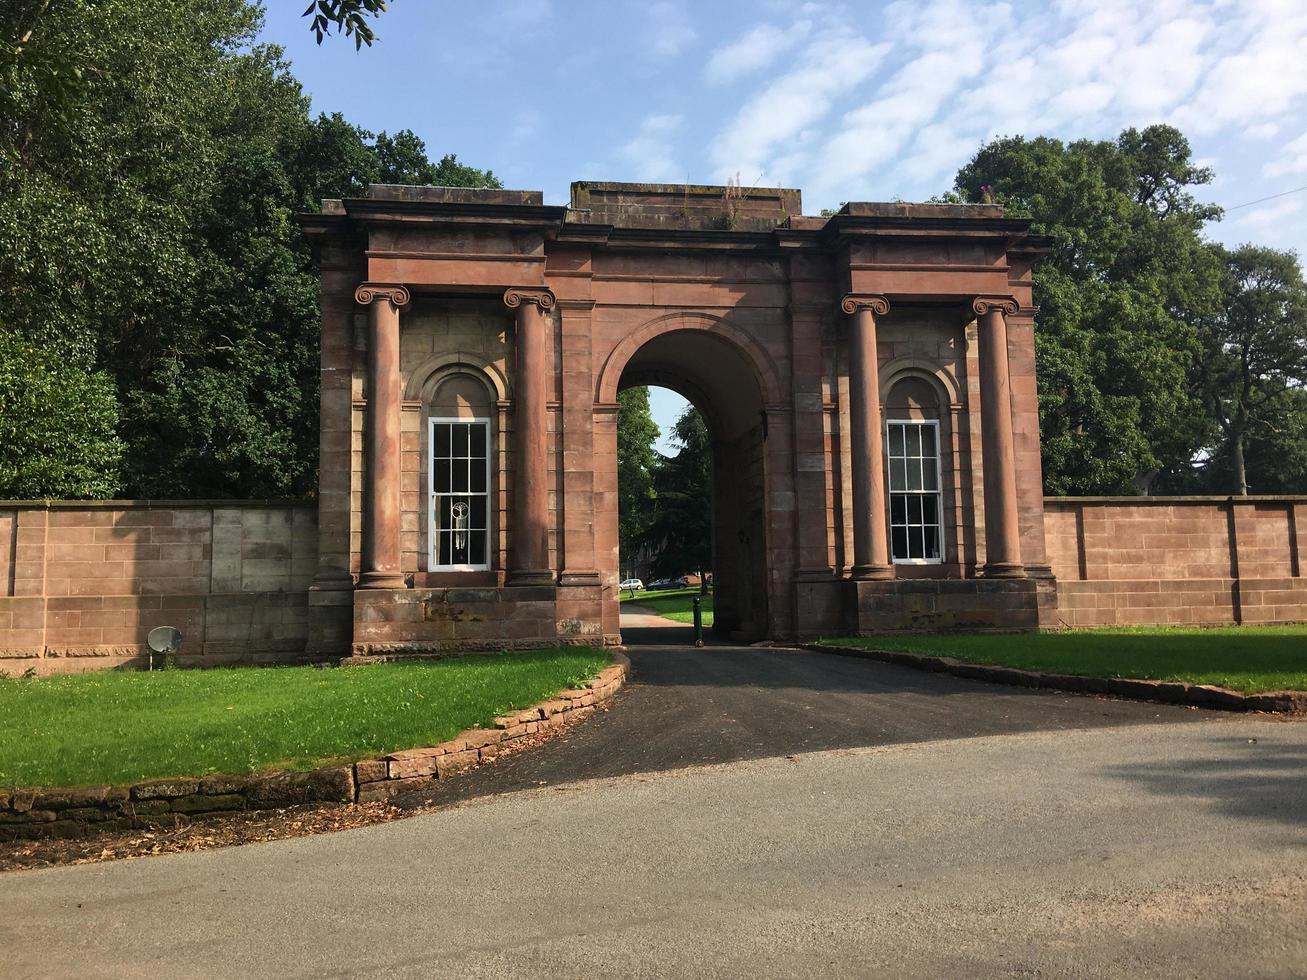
x: 458, y: 511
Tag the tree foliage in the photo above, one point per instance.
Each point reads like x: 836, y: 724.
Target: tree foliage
x: 1120, y: 297
x: 57, y: 425
x: 152, y: 157
x: 636, y: 460
x: 680, y: 533
x: 1253, y: 373
x: 348, y: 17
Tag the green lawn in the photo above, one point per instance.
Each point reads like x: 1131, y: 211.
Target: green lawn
x: 120, y: 727
x: 677, y: 604
x: 1243, y: 658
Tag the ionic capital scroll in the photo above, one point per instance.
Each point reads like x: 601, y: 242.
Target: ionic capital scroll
x: 994, y: 304
x: 854, y: 302
x: 517, y: 295
x: 369, y: 292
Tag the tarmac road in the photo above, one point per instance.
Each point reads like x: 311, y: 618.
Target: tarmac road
x: 1146, y: 851
x: 687, y: 706
x: 925, y: 826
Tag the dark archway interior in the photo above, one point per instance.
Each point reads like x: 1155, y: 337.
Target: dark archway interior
x: 717, y: 378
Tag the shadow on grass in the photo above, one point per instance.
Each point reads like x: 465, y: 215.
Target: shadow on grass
x: 1262, y: 779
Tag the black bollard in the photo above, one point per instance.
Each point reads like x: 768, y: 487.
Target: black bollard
x: 698, y: 621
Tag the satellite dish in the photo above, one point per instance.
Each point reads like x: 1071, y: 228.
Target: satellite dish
x: 163, y: 639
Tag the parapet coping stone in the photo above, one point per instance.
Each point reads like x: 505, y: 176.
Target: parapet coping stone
x: 1132, y: 688
x: 82, y: 810
x: 153, y: 504
x: 1250, y: 499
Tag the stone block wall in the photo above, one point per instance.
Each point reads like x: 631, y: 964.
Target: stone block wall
x: 1157, y: 560
x: 83, y: 582
x: 438, y: 621
x: 950, y: 604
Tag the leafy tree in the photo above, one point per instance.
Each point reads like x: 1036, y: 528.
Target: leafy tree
x: 57, y: 423
x: 402, y: 159
x: 1275, y: 454
x: 146, y: 230
x: 1254, y: 368
x: 1120, y: 296
x: 636, y: 434
x: 680, y: 534
x: 348, y: 17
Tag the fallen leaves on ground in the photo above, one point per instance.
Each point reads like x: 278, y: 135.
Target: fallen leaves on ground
x: 197, y: 835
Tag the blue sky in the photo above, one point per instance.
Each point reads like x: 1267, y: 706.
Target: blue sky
x: 855, y: 101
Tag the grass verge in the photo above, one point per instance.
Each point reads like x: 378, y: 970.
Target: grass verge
x: 1250, y: 659
x: 121, y: 727
x: 677, y: 604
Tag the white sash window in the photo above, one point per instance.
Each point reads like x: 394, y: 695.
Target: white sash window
x: 915, y: 505
x: 459, y: 517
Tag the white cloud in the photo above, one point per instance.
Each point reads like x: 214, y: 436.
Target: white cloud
x: 1292, y: 159
x: 753, y: 51
x: 961, y: 36
x: 966, y: 72
x: 650, y: 154
x: 834, y: 62
x: 1261, y: 72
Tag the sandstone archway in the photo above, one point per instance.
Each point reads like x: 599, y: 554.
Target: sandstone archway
x: 720, y: 376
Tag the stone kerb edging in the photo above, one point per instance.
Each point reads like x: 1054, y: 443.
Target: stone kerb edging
x: 1139, y: 689
x: 78, y: 811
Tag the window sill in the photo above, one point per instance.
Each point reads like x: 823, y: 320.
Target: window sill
x: 488, y: 578
x: 936, y: 569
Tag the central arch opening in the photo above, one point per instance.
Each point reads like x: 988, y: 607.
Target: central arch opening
x: 716, y: 377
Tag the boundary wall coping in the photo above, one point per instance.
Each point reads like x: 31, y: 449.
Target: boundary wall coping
x: 1270, y: 498
x: 150, y: 504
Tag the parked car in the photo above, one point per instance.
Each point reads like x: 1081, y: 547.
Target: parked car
x: 633, y: 584
x: 662, y: 583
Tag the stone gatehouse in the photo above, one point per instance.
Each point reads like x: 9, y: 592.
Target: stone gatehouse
x: 868, y: 381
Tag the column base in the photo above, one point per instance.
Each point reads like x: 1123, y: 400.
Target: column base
x: 1005, y: 569
x: 382, y: 580
x: 332, y: 580
x: 531, y: 576
x: 873, y: 573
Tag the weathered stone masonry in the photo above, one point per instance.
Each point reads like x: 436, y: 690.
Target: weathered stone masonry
x: 805, y: 341
x: 798, y: 338
x: 82, y: 583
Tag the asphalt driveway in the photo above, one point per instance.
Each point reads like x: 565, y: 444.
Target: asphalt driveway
x: 686, y: 706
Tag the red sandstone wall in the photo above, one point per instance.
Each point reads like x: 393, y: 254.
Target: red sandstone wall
x: 1121, y: 561
x: 83, y: 582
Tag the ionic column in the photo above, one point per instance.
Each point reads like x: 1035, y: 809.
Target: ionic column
x: 866, y: 442
x: 1002, y: 525
x: 530, y: 536
x: 380, y: 559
